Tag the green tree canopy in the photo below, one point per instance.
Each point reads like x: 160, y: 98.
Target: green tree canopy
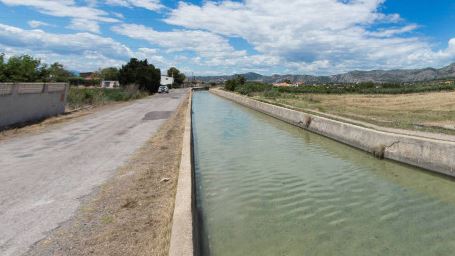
x: 2, y: 67
x: 179, y: 77
x: 28, y: 69
x: 141, y: 73
x: 23, y: 69
x: 240, y: 79
x: 57, y: 73
x: 235, y: 82
x: 110, y: 74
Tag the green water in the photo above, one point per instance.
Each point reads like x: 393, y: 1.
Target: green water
x: 267, y: 188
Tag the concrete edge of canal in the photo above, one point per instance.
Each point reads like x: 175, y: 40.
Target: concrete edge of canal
x: 434, y: 155
x: 184, y: 236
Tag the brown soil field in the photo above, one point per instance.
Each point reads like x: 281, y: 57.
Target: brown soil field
x: 131, y: 214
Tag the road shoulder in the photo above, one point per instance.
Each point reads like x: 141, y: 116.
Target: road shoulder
x: 131, y: 214
x: 57, y: 121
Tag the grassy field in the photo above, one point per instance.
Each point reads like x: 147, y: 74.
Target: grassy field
x: 432, y: 111
x: 79, y: 97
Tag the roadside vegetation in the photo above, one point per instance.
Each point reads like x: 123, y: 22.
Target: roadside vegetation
x: 426, y: 106
x: 138, y: 78
x: 80, y: 97
x: 144, y: 75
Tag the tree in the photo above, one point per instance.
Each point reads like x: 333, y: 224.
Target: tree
x: 2, y: 67
x: 230, y: 85
x: 57, y: 73
x: 179, y: 78
x: 139, y: 72
x: 240, y: 79
x: 110, y: 74
x: 235, y: 82
x: 23, y: 69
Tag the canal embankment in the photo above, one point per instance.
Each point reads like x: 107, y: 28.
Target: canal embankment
x: 184, y: 237
x: 430, y: 154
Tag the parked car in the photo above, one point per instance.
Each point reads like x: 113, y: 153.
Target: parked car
x: 163, y: 89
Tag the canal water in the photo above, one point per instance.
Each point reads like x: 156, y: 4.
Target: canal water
x: 268, y: 188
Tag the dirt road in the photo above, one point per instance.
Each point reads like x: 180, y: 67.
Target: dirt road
x: 43, y: 177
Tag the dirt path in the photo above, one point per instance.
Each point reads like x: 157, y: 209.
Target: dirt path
x: 132, y: 213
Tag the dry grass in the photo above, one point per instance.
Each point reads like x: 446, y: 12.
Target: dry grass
x: 132, y: 213
x: 430, y: 111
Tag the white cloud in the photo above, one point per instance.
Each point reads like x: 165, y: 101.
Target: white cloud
x: 84, y: 25
x: 79, y: 47
x: 68, y: 8
x: 80, y: 51
x: 295, y: 36
x: 206, y: 44
x: 153, y: 5
x: 393, y: 31
x: 36, y: 24
x: 62, y: 43
x: 320, y: 36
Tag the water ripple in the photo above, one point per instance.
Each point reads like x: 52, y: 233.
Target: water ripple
x: 267, y: 188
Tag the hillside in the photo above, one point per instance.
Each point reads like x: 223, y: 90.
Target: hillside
x: 378, y: 76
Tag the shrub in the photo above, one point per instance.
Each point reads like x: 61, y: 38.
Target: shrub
x: 273, y: 93
x: 79, y: 97
x: 230, y: 85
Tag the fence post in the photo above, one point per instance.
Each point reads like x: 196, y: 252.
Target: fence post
x: 15, y: 89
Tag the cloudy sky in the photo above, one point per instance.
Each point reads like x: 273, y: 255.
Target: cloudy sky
x: 225, y: 37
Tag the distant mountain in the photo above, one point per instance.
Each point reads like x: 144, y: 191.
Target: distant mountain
x: 377, y: 76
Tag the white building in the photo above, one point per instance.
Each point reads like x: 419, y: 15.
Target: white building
x: 110, y: 84
x: 166, y: 80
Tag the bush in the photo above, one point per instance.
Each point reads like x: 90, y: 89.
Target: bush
x: 251, y: 87
x: 79, y: 97
x: 273, y: 93
x: 230, y: 85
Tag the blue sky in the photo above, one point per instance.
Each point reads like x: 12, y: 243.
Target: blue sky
x: 224, y: 37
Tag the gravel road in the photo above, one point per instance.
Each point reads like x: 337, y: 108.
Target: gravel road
x: 43, y: 177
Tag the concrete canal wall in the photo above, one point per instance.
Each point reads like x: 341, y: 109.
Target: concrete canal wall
x: 430, y: 154
x: 30, y: 101
x: 184, y: 237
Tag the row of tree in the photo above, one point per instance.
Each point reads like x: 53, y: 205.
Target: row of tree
x: 138, y: 72
x: 28, y: 69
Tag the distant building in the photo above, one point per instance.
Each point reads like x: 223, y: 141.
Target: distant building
x: 110, y: 84
x: 283, y: 84
x: 166, y: 80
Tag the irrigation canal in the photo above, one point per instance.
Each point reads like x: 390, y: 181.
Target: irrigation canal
x: 265, y: 187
